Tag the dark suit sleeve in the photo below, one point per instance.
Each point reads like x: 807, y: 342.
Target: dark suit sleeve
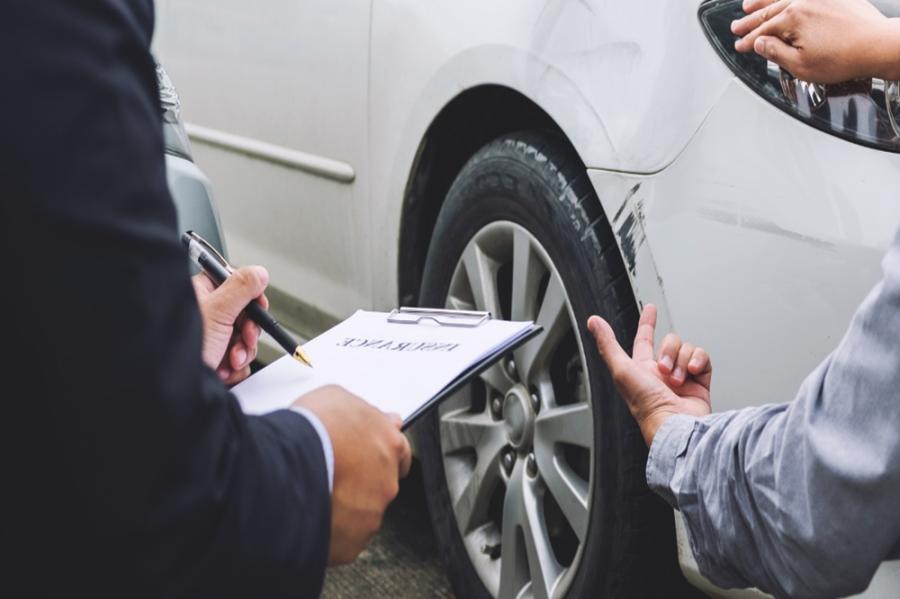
x: 127, y: 467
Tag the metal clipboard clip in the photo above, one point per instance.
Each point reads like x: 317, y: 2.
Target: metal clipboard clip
x: 469, y: 319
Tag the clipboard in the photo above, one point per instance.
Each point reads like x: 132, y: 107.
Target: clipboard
x: 456, y: 318
x: 406, y: 361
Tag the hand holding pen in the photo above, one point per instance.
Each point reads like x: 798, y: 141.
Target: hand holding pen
x: 248, y: 283
x: 230, y: 339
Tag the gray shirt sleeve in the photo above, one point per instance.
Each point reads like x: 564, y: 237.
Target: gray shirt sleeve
x: 799, y: 499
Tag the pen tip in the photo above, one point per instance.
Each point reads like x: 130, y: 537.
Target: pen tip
x: 301, y: 356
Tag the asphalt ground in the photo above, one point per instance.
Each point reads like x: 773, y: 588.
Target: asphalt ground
x: 402, y: 562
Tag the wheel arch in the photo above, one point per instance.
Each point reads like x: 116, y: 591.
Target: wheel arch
x: 470, y: 120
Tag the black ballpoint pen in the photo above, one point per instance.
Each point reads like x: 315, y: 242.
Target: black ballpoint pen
x: 217, y: 269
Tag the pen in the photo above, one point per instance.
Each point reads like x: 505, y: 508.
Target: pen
x: 218, y: 269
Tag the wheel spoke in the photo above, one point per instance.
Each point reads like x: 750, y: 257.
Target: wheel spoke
x: 514, y: 575
x: 496, y: 379
x: 568, y: 489
x: 572, y: 424
x: 567, y: 424
x: 527, y: 559
x: 544, y: 569
x: 482, y: 278
x: 463, y: 430
x: 472, y: 506
x: 554, y: 318
x: 526, y: 277
x: 455, y: 303
x: 486, y: 437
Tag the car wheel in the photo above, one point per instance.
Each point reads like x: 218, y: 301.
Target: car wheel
x: 535, y: 472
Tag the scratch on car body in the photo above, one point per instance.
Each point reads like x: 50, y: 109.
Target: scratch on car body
x: 630, y: 203
x: 748, y: 221
x: 628, y: 224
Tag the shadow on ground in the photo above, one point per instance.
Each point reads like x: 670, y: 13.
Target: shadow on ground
x: 402, y: 562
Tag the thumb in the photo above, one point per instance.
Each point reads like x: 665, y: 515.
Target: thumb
x: 617, y: 359
x: 242, y: 287
x: 774, y: 49
x: 395, y: 419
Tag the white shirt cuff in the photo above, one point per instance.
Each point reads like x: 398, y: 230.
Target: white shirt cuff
x: 327, y: 448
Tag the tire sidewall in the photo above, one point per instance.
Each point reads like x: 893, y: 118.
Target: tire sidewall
x: 512, y: 179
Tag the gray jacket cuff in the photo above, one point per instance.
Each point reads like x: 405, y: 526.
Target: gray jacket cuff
x: 669, y: 444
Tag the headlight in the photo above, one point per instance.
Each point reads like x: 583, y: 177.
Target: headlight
x: 865, y: 111
x: 176, y: 137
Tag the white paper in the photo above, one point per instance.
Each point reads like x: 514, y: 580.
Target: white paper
x: 396, y: 367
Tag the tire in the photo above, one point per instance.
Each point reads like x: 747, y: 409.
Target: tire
x: 532, y: 186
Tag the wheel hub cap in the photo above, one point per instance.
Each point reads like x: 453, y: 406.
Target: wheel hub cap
x: 518, y: 417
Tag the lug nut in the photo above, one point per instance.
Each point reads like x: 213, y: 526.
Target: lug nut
x: 497, y: 407
x: 511, y: 369
x: 509, y: 460
x: 531, y: 465
x: 535, y: 401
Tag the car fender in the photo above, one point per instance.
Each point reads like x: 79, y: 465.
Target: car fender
x: 624, y: 99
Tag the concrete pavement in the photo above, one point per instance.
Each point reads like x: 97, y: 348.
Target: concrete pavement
x: 402, y: 562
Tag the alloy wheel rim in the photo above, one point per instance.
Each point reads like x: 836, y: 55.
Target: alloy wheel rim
x: 517, y: 445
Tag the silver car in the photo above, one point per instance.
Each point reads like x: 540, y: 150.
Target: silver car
x: 546, y: 160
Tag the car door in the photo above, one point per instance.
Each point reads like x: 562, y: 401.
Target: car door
x: 275, y: 97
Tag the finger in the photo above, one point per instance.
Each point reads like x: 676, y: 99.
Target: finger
x: 203, y: 285
x: 679, y: 373
x: 405, y: 457
x: 700, y: 367
x: 699, y: 362
x: 237, y: 376
x: 779, y: 26
x: 782, y: 54
x: 757, y: 18
x: 623, y: 369
x: 395, y: 419
x: 250, y: 332
x: 643, y: 340
x: 751, y: 6
x: 250, y: 337
x: 668, y: 352
x: 224, y: 372
x: 612, y: 353
x: 238, y: 355
x: 242, y: 287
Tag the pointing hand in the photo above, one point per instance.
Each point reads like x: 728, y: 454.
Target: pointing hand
x: 677, y: 381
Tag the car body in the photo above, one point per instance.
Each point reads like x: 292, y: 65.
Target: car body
x: 190, y: 189
x: 333, y: 129
x: 194, y: 202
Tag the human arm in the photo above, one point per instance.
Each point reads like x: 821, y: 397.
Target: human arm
x: 798, y: 499
x: 825, y: 41
x: 128, y: 466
